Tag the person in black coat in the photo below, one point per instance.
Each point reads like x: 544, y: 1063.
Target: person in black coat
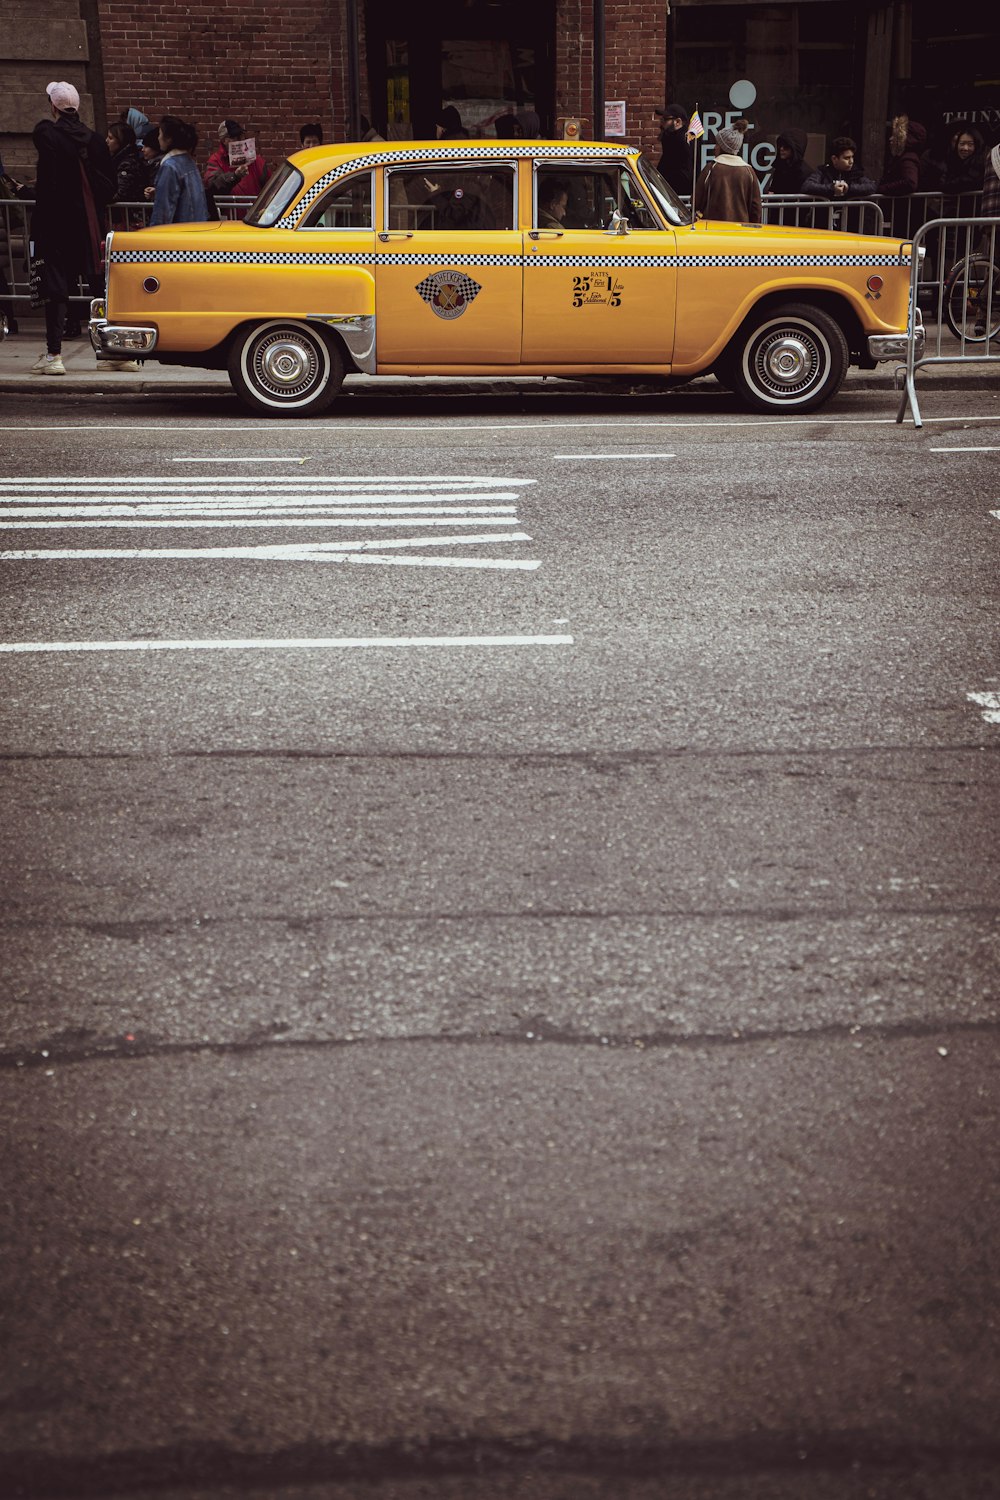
x: 675, y: 162
x: 965, y: 164
x: 75, y: 184
x: 790, y: 170
x: 129, y: 170
x: 840, y: 178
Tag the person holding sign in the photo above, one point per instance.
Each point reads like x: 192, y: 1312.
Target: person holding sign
x: 234, y: 167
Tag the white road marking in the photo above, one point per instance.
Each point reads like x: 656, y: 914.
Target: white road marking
x: 233, y: 503
x: 263, y: 459
x: 304, y: 552
x: 616, y: 456
x: 361, y: 483
x: 995, y: 513
x: 321, y: 643
x: 360, y: 504
x: 965, y: 450
x: 243, y: 523
x: 989, y: 703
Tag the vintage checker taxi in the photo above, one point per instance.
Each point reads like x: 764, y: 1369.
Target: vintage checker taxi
x: 490, y: 258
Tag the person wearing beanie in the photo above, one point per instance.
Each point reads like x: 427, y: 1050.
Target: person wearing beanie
x: 75, y: 183
x: 244, y: 181
x: 675, y: 164
x: 448, y: 125
x: 727, y: 188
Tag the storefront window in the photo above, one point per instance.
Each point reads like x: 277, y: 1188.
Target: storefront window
x: 805, y: 60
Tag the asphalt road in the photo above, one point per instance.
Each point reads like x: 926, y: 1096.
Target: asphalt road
x: 559, y: 1065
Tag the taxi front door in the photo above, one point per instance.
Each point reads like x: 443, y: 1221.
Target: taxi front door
x: 593, y: 297
x: 448, y: 270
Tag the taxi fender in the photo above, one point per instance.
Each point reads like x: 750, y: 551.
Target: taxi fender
x: 843, y: 303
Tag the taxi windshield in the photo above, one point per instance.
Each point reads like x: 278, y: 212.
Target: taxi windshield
x: 667, y: 201
x: 275, y: 196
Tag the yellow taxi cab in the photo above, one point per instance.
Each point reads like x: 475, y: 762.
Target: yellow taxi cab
x: 491, y: 258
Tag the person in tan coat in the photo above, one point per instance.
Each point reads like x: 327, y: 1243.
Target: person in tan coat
x: 727, y: 188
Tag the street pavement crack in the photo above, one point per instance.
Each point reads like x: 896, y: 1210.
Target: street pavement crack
x: 532, y: 1033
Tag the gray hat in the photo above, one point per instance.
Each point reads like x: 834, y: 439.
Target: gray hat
x: 730, y: 140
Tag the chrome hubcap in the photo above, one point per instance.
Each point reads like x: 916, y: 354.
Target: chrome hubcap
x: 285, y: 367
x: 789, y: 360
x: 285, y: 363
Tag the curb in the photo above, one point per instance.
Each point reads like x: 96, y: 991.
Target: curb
x: 553, y: 386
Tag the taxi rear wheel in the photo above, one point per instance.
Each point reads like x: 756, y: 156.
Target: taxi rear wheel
x: 795, y: 357
x: 286, y: 368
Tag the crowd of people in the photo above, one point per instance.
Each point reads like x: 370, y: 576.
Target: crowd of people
x: 81, y: 176
x: 729, y: 188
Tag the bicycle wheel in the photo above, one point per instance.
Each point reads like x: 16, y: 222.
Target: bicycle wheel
x: 972, y: 300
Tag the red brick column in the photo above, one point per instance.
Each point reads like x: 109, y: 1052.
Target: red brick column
x: 635, y: 64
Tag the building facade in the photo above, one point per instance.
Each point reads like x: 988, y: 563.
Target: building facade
x: 826, y: 67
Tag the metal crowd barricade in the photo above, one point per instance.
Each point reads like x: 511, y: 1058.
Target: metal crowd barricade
x: 15, y: 222
x: 798, y: 210
x: 966, y: 311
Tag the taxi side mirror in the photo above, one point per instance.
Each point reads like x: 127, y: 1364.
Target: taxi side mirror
x: 618, y: 224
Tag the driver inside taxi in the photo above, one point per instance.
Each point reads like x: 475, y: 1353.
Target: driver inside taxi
x: 553, y: 198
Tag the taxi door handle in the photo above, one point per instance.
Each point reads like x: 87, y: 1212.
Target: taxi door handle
x: 545, y: 234
x: 395, y: 234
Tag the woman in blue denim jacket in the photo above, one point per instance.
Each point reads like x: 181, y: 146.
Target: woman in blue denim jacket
x: 180, y: 196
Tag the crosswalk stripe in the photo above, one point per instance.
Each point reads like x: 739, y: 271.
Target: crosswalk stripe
x: 314, y: 551
x: 209, y: 523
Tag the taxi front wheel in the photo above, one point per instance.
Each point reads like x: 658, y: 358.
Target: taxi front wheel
x: 793, y: 358
x: 285, y: 368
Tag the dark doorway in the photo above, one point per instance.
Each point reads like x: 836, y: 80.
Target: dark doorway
x: 485, y: 58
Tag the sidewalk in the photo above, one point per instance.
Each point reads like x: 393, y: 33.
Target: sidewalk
x: 85, y: 376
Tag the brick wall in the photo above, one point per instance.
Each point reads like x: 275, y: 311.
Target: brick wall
x: 270, y: 67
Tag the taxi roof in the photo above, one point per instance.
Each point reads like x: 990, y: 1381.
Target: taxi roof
x: 347, y: 150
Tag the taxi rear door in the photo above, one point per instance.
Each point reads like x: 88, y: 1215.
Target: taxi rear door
x: 448, y: 269
x: 590, y: 296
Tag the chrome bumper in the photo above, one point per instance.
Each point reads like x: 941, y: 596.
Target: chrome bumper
x: 895, y: 345
x: 112, y: 340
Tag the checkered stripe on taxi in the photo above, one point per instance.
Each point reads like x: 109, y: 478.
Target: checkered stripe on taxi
x: 788, y: 260
x: 437, y: 154
x: 241, y: 258
x: 709, y: 262
x: 407, y: 258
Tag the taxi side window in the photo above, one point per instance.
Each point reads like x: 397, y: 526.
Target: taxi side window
x: 346, y: 206
x: 450, y: 198
x: 585, y: 197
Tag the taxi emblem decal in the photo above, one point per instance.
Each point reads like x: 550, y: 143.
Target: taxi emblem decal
x: 448, y: 293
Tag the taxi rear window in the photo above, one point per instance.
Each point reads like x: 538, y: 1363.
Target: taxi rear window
x: 434, y: 197
x: 275, y: 196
